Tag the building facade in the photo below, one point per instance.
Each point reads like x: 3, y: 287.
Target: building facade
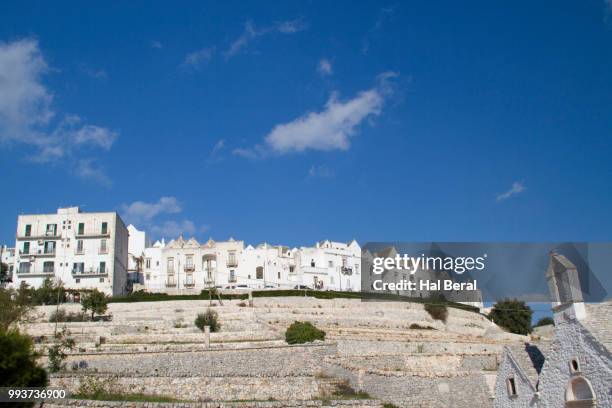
x: 577, y: 368
x: 84, y: 250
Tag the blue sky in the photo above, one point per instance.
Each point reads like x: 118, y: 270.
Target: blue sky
x: 291, y: 122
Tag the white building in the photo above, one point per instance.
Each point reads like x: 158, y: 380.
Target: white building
x: 84, y: 250
x: 577, y: 369
x: 331, y: 265
x: 7, y: 257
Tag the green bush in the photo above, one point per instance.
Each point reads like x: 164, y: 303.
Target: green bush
x: 545, y: 321
x: 48, y: 293
x: 208, y: 318
x: 512, y: 314
x: 18, y: 367
x: 303, y: 332
x: 416, y: 326
x: 437, y: 311
x: 14, y: 307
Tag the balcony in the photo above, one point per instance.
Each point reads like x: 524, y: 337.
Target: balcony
x: 89, y: 272
x: 188, y: 284
x: 48, y: 235
x: 189, y: 268
x: 34, y: 274
x: 346, y: 271
x: 103, y: 251
x: 92, y: 234
x: 232, y: 279
x: 232, y: 263
x: 79, y: 251
x: 170, y: 282
x: 38, y: 253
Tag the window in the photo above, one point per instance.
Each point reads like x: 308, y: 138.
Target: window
x: 148, y: 276
x: 78, y: 267
x: 49, y: 247
x: 28, y: 230
x: 51, y: 229
x: 343, y: 262
x: 312, y: 263
x: 279, y: 276
x: 102, y: 267
x: 259, y: 272
x: 357, y: 269
x: 189, y: 261
x: 189, y: 279
x: 170, y: 265
x: 101, y: 280
x: 48, y: 267
x: 330, y: 264
x: 148, y: 263
x: 574, y: 366
x: 103, y: 248
x: 81, y: 229
x: 232, y: 277
x: 24, y: 267
x: 26, y: 248
x: 79, y: 248
x: 231, y: 258
x: 77, y: 280
x: 331, y: 280
x: 104, y: 228
x: 291, y: 269
x: 511, y: 387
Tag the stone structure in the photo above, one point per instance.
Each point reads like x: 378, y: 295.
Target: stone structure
x: 577, y: 370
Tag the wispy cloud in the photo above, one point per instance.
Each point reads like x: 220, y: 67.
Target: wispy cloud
x: 156, y: 45
x: 320, y: 171
x: 88, y: 169
x: 196, y: 59
x: 328, y: 129
x: 215, y: 154
x: 95, y: 73
x: 517, y: 188
x: 324, y: 68
x: 146, y: 215
x: 250, y: 33
x: 27, y: 114
x: 384, y: 15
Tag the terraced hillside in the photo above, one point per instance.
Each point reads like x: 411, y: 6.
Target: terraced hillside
x: 393, y: 351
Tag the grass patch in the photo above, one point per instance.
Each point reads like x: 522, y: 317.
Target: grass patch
x: 345, y: 391
x: 416, y: 326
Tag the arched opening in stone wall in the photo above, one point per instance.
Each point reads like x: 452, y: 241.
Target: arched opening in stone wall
x: 579, y: 394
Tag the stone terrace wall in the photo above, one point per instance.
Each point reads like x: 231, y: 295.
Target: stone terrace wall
x: 246, y: 404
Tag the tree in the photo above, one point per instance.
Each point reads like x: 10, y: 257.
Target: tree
x: 96, y: 302
x: 57, y: 352
x: 437, y: 311
x: 14, y: 308
x: 49, y: 293
x: 18, y: 367
x: 4, y: 268
x: 513, y: 315
x: 303, y: 332
x: 545, y: 321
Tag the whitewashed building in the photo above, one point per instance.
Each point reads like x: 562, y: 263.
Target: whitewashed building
x: 7, y: 257
x: 85, y: 250
x: 577, y: 368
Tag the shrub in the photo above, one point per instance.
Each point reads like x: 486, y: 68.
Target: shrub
x: 57, y: 352
x: 96, y: 302
x: 416, y: 326
x: 545, y: 321
x: 208, y: 318
x: 437, y: 311
x: 18, y: 367
x: 61, y: 316
x: 49, y: 293
x: 303, y: 332
x: 513, y: 315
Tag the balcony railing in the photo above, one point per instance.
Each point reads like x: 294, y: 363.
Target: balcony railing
x: 232, y: 263
x: 232, y: 280
x: 189, y: 284
x: 189, y: 268
x: 79, y: 251
x: 90, y: 271
x: 39, y: 252
x: 346, y: 271
x: 102, y: 251
x: 50, y: 235
x: 30, y: 272
x: 170, y: 282
x: 92, y: 234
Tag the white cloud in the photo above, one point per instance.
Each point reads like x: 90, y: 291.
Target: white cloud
x: 27, y: 114
x: 517, y: 188
x: 328, y: 129
x: 196, y: 59
x: 325, y: 67
x: 145, y: 215
x: 250, y: 33
x: 215, y: 154
x: 320, y: 171
x: 173, y: 229
x: 88, y: 170
x: 157, y: 45
x: 140, y: 211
